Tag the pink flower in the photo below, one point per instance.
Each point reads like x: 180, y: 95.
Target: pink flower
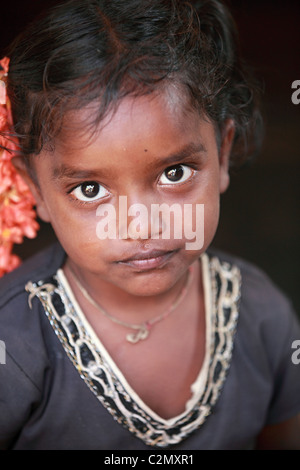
x: 3, y: 118
x: 4, y: 63
x: 17, y: 215
x: 8, y: 261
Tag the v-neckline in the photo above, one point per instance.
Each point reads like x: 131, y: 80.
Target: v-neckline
x: 196, y: 387
x: 221, y: 285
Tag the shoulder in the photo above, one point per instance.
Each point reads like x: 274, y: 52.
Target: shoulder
x: 260, y: 296
x: 41, y: 265
x: 267, y: 325
x: 21, y: 329
x: 267, y: 328
x: 25, y: 340
x: 15, y: 314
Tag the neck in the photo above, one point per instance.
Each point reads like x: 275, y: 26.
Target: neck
x: 125, y: 305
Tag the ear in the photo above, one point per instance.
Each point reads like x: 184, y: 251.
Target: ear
x: 227, y: 137
x: 28, y: 175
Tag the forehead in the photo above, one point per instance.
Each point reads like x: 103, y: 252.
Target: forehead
x: 166, y: 110
x: 142, y: 135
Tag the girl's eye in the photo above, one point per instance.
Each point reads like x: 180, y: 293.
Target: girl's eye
x: 176, y: 174
x: 89, y: 192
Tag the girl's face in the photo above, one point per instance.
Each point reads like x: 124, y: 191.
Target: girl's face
x: 151, y: 151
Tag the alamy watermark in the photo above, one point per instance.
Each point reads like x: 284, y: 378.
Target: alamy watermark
x: 296, y: 94
x: 2, y: 353
x: 162, y: 221
x: 296, y: 353
x: 295, y: 357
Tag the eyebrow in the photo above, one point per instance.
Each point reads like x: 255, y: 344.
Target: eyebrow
x: 69, y: 172
x: 184, y: 154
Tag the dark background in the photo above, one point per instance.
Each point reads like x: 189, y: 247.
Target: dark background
x: 260, y: 212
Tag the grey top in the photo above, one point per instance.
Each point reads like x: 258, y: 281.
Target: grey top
x: 60, y: 390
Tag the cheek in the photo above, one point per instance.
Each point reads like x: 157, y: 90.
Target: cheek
x: 79, y: 240
x: 210, y: 199
x: 80, y: 232
x: 211, y: 220
x: 75, y: 229
x: 205, y: 222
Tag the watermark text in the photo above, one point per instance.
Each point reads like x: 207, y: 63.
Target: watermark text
x: 296, y: 93
x: 2, y: 353
x: 162, y: 221
x: 296, y: 353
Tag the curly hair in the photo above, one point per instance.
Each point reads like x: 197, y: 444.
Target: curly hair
x: 100, y: 51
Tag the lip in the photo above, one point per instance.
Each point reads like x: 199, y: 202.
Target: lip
x: 144, y: 261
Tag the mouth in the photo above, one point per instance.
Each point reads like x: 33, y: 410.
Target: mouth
x: 145, y: 261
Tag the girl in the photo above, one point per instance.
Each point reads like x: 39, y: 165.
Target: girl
x: 126, y: 335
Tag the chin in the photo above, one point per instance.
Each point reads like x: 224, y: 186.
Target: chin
x: 151, y: 283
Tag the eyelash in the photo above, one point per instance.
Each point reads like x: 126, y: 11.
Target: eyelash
x: 191, y: 167
x: 87, y: 202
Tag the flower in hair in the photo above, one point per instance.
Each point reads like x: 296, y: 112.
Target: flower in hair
x: 17, y: 214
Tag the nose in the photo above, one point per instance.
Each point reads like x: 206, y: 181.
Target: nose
x: 136, y: 219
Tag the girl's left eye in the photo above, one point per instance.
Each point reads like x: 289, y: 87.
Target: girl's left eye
x: 89, y: 192
x: 176, y: 174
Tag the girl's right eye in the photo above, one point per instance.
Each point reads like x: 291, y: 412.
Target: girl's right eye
x: 89, y: 191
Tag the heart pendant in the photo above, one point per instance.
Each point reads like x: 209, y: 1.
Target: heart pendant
x: 142, y: 333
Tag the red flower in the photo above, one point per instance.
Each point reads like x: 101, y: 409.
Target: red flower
x: 17, y: 215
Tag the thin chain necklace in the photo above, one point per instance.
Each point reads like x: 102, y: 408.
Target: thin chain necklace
x: 143, y: 329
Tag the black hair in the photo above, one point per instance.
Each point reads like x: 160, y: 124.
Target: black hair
x: 85, y: 51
